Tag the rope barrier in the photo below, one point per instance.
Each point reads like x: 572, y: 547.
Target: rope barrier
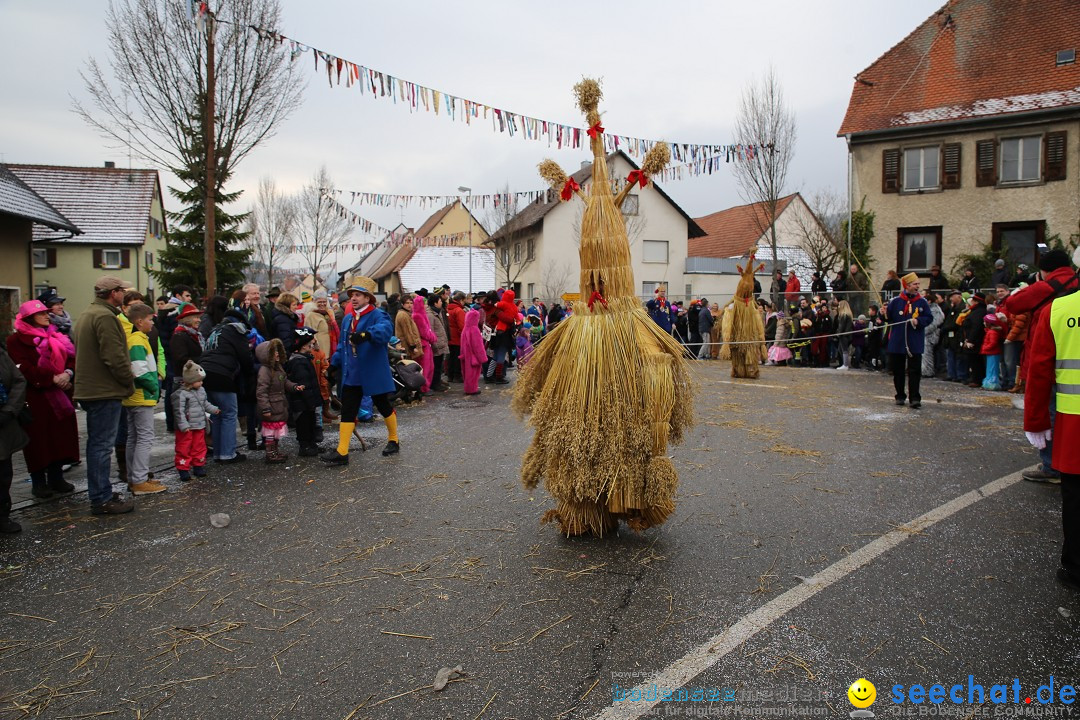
x: 801, y: 342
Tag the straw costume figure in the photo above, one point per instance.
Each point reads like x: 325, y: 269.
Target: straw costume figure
x: 607, y: 389
x: 743, y: 324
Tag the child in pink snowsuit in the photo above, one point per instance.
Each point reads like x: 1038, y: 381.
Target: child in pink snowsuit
x: 427, y: 340
x: 473, y: 355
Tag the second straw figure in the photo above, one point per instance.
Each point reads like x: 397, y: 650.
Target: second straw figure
x: 607, y: 390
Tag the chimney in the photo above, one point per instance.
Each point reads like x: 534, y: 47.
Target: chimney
x: 110, y: 164
x: 585, y: 164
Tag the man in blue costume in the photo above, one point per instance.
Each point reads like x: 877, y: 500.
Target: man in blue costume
x: 365, y: 368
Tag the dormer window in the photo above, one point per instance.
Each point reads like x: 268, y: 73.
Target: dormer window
x: 1066, y: 57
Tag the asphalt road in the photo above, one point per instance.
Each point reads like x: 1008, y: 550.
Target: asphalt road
x: 340, y: 593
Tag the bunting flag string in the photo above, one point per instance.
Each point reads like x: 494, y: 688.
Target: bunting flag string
x: 393, y: 238
x: 502, y: 199
x: 417, y: 98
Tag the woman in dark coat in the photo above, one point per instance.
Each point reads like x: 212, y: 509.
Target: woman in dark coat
x: 283, y: 325
x: 46, y: 358
x: 215, y: 313
x: 12, y: 436
x: 229, y: 364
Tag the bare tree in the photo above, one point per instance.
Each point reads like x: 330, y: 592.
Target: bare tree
x: 320, y: 228
x: 765, y: 127
x: 514, y: 245
x: 820, y: 233
x: 555, y: 280
x: 155, y: 101
x: 272, y: 226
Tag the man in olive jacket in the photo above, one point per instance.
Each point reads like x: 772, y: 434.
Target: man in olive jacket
x: 103, y: 378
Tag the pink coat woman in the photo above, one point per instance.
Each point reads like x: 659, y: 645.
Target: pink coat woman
x: 427, y: 340
x: 46, y: 359
x: 473, y: 354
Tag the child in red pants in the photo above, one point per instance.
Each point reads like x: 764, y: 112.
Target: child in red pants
x: 191, y: 409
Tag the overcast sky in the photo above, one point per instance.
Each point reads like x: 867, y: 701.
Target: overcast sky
x: 671, y: 70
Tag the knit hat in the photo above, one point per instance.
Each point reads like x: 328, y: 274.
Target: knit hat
x: 909, y: 278
x: 1053, y: 260
x: 862, y: 318
x: 991, y: 320
x: 305, y: 296
x: 193, y: 372
x: 304, y: 335
x: 320, y: 295
x: 999, y: 263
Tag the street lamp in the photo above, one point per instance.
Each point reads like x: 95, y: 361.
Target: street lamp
x: 464, y: 189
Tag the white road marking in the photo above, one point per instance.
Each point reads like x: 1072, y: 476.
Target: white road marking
x: 704, y: 656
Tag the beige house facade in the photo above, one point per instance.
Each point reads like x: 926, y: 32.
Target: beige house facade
x: 924, y: 220
x: 958, y: 147
x: 536, y: 253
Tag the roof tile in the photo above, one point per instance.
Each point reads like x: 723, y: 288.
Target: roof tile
x: 110, y: 205
x: 733, y: 232
x: 971, y: 58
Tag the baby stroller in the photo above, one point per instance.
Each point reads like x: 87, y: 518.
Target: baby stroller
x: 409, y: 378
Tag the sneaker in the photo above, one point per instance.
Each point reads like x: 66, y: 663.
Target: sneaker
x: 199, y: 470
x: 117, y: 505
x: 915, y: 405
x: 392, y: 448
x: 332, y: 457
x: 1068, y: 579
x: 1041, y: 475
x: 184, y: 475
x: 901, y: 401
x: 9, y: 526
x: 147, y: 488
x: 841, y: 367
x: 237, y: 458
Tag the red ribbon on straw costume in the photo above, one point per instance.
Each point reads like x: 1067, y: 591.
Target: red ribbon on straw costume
x: 596, y: 130
x: 639, y: 177
x: 570, y: 188
x: 594, y: 297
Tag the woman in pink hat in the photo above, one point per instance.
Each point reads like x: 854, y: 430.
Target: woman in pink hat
x: 46, y: 357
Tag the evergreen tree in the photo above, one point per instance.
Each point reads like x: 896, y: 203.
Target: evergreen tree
x: 183, y: 259
x: 862, y: 233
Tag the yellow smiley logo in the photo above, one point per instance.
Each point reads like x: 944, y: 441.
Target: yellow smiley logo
x: 862, y: 693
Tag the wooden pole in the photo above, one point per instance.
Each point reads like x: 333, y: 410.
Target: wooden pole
x: 209, y: 244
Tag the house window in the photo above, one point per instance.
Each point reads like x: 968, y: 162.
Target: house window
x: 1019, y: 240
x: 921, y: 168
x: 654, y: 251
x: 506, y: 257
x: 530, y: 249
x: 41, y: 258
x: 40, y: 290
x: 689, y: 289
x: 532, y: 290
x: 517, y: 252
x: 918, y: 248
x: 1020, y: 158
x: 111, y: 259
x: 648, y: 288
x: 630, y: 205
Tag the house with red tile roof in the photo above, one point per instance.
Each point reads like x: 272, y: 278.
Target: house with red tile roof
x: 537, y: 248
x: 966, y: 134
x: 122, y: 219
x: 734, y: 233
